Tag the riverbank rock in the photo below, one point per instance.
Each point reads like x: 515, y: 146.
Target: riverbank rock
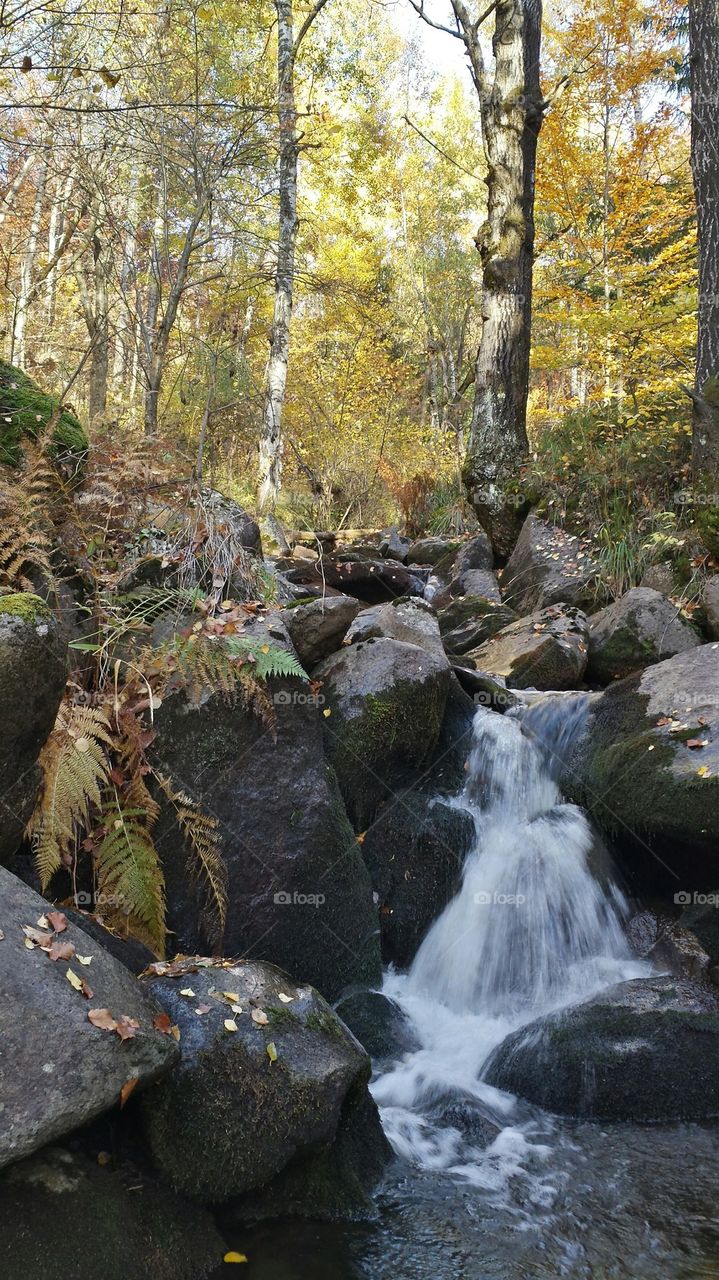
x: 547, y: 650
x: 640, y: 628
x: 381, y: 1026
x: 470, y: 620
x: 58, y: 1070
x: 319, y: 627
x: 33, y: 671
x: 412, y: 621
x: 438, y: 552
x: 548, y: 566
x: 710, y: 601
x: 298, y: 892
x: 648, y: 761
x: 369, y: 579
x: 644, y: 1051
x: 101, y: 1222
x: 386, y: 701
x: 270, y: 1103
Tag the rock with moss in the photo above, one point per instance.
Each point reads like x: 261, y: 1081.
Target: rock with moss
x: 710, y: 602
x: 646, y: 1051
x: 470, y: 620
x: 379, y: 1023
x: 57, y: 1070
x: 101, y: 1221
x: 640, y: 628
x: 647, y: 765
x: 270, y: 1101
x: 438, y: 552
x: 410, y: 620
x: 318, y: 627
x: 26, y: 411
x: 33, y: 671
x: 298, y: 892
x: 385, y: 702
x: 547, y: 650
x: 548, y: 566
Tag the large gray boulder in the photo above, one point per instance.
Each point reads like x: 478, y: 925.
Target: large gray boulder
x: 58, y: 1070
x: 646, y: 1050
x: 412, y: 621
x: 33, y: 671
x: 474, y: 554
x: 638, y: 629
x: 270, y: 1101
x: 298, y: 891
x: 319, y: 627
x: 386, y: 701
x: 648, y: 762
x: 101, y: 1221
x: 547, y: 650
x: 439, y: 552
x: 548, y: 566
x: 470, y: 620
x: 369, y: 578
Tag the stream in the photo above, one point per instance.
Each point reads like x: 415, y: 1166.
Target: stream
x: 484, y: 1186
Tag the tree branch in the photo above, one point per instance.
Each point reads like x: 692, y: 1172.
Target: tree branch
x: 439, y: 150
x: 318, y: 7
x: 418, y: 6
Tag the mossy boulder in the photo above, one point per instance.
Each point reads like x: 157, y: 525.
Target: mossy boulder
x: 276, y: 1111
x: 647, y: 765
x: 467, y: 622
x: 412, y: 621
x: 101, y: 1221
x: 25, y: 410
x: 33, y: 671
x: 646, y: 1051
x: 385, y: 701
x: 318, y: 627
x: 379, y: 1023
x: 547, y: 650
x: 638, y: 629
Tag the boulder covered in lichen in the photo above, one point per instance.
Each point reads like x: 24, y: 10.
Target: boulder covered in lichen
x: 270, y: 1101
x: 33, y: 670
x: 638, y: 629
x: 27, y: 412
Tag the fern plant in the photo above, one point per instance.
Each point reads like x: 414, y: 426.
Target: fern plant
x: 205, y: 863
x: 129, y: 870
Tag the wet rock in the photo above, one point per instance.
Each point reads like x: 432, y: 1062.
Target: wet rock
x: 548, y: 566
x: 378, y: 1022
x: 318, y: 628
x: 467, y: 622
x: 634, y: 767
x: 33, y: 671
x: 100, y: 1222
x: 386, y: 701
x: 57, y: 1070
x: 645, y: 1051
x: 639, y: 629
x: 485, y: 690
x: 668, y: 945
x: 276, y: 1111
x: 701, y: 916
x: 299, y: 894
x: 547, y: 650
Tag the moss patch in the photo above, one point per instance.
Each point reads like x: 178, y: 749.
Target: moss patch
x: 25, y: 410
x: 25, y: 605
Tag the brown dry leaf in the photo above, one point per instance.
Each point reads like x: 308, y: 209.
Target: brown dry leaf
x: 128, y: 1088
x: 201, y: 1009
x: 231, y: 996
x: 175, y: 1032
x: 260, y: 1017
x: 127, y: 1027
x: 58, y: 920
x: 61, y: 951
x: 695, y: 743
x: 37, y: 937
x: 162, y: 1022
x: 102, y: 1018
x: 663, y: 720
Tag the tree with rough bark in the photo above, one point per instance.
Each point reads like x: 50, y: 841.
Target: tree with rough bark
x: 271, y: 443
x: 511, y: 109
x: 704, y: 76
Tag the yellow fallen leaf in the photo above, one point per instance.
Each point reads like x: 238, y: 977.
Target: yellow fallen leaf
x: 284, y: 998
x: 74, y: 980
x: 272, y: 1051
x: 187, y: 991
x: 703, y: 772
x: 29, y: 944
x: 84, y: 959
x: 260, y: 1017
x: 175, y: 1032
x: 232, y: 996
x: 236, y: 1008
x: 232, y: 1256
x: 43, y: 922
x: 264, y: 648
x: 230, y: 1024
x: 327, y: 712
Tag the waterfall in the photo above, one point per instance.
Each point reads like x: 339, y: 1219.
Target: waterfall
x: 537, y: 924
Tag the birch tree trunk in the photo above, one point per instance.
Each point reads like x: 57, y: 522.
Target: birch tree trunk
x: 704, y: 69
x: 271, y: 443
x: 19, y: 327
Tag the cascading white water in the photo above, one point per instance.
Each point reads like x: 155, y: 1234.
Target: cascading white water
x: 531, y: 929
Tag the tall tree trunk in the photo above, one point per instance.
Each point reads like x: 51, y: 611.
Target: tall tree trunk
x: 704, y: 68
x: 19, y: 327
x: 271, y: 445
x: 511, y: 107
x: 276, y: 378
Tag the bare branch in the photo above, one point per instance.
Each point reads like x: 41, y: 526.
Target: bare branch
x: 418, y: 6
x: 314, y: 12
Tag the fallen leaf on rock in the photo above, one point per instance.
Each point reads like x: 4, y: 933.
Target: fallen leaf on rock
x: 695, y: 743
x: 127, y: 1028
x: 102, y: 1018
x: 2, y: 936
x: 36, y: 936
x: 58, y: 920
x: 29, y: 944
x: 84, y: 959
x: 234, y: 1257
x: 284, y: 998
x: 327, y: 712
x: 202, y: 1008
x: 42, y: 922
x: 230, y: 1024
x: 272, y: 1051
x: 61, y: 951
x: 73, y: 979
x: 663, y: 720
x: 162, y: 1022
x: 260, y: 1017
x: 231, y: 996
x: 128, y: 1088
x: 704, y: 772
x: 175, y: 1032
x: 187, y: 991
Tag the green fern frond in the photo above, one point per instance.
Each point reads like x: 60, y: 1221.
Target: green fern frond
x: 129, y: 872
x: 267, y: 660
x: 206, y: 865
x: 75, y: 769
